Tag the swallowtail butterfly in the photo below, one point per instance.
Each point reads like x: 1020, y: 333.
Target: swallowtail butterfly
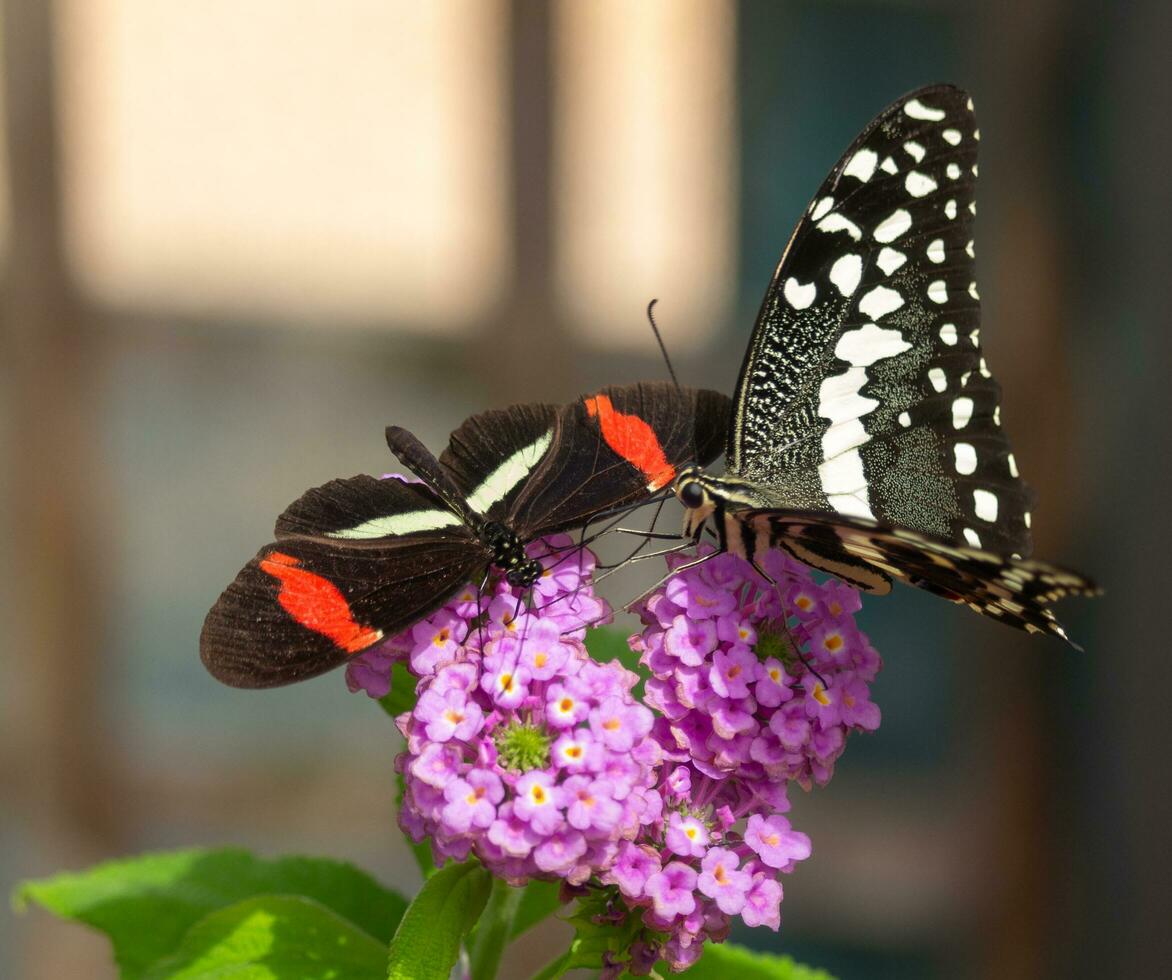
x: 360, y: 559
x: 866, y: 436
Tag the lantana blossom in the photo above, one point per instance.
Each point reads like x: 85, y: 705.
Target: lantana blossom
x: 542, y: 762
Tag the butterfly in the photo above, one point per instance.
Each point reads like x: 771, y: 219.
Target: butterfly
x: 865, y: 438
x: 358, y: 560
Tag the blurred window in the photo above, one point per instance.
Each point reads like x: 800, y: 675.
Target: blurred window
x: 645, y: 173
x: 293, y: 162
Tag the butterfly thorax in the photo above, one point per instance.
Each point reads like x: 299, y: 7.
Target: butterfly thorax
x: 508, y: 554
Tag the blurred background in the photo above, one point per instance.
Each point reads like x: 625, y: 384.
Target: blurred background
x: 238, y: 237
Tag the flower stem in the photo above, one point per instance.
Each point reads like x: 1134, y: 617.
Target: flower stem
x: 493, y: 931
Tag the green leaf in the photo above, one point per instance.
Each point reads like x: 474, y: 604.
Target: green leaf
x: 402, y: 694
x: 274, y: 937
x: 427, y: 942
x: 146, y: 904
x: 721, y: 960
x: 540, y: 900
x: 594, y: 938
x: 606, y: 643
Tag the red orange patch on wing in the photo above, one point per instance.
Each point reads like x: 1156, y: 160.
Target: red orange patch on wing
x: 633, y: 439
x: 317, y: 604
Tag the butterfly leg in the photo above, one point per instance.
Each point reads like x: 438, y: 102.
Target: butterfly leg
x: 479, y: 608
x: 761, y: 571
x: 649, y: 535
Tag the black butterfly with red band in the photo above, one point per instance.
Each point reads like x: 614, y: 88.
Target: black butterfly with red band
x: 358, y: 560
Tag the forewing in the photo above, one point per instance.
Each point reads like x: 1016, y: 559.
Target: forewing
x: 361, y: 508
x: 615, y: 448
x: 1014, y: 591
x: 355, y: 562
x: 492, y: 454
x: 864, y: 390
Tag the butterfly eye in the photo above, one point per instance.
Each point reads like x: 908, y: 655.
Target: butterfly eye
x: 691, y: 495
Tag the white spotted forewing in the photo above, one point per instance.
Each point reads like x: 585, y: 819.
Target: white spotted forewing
x: 866, y: 436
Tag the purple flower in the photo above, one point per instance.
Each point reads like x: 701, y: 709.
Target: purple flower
x: 733, y: 676
x: 504, y: 680
x: 774, y: 686
x: 559, y: 851
x: 671, y: 891
x: 448, y: 715
x: 686, y: 835
x: 539, y: 802
x: 618, y: 724
x: 634, y: 865
x: 857, y: 708
x: 775, y: 842
x: 567, y: 705
x: 732, y: 671
x: 514, y: 837
x: 472, y: 801
x: 721, y: 880
x: 699, y: 599
x: 591, y: 804
x: 690, y: 640
x: 575, y: 751
x: 370, y: 671
x: 566, y: 566
x: 437, y: 765
x: 763, y: 903
x: 520, y: 748
x: 436, y: 640
x: 542, y: 652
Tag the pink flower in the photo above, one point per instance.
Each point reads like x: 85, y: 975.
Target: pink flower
x: 472, y: 801
x: 671, y: 891
x: 539, y: 802
x: 775, y: 843
x: 720, y: 879
x: 687, y: 835
x: 763, y: 903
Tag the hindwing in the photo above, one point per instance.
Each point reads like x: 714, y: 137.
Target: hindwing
x: 356, y: 561
x: 868, y: 555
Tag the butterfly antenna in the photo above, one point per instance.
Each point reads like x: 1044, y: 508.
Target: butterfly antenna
x: 659, y: 340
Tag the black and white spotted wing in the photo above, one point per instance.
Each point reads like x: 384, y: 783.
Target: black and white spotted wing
x: 866, y: 434
x: 864, y: 390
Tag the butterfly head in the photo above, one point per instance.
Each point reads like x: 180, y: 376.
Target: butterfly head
x: 691, y: 489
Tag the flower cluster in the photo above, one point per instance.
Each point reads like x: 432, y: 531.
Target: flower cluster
x: 736, y: 694
x: 524, y: 751
x: 693, y: 871
x: 536, y: 758
x: 521, y: 748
